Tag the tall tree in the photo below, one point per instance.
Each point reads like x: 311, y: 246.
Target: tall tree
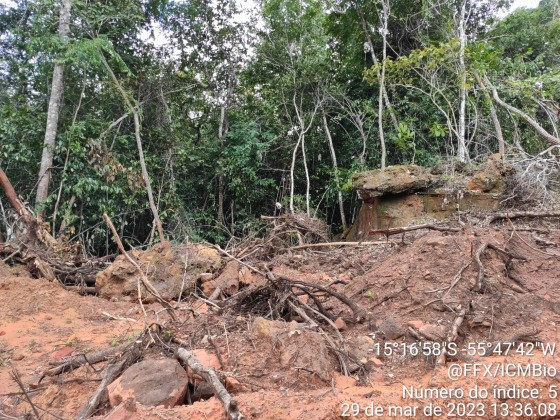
x: 57, y: 90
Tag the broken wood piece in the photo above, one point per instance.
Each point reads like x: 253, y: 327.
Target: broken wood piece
x: 118, y: 318
x: 41, y: 269
x: 453, y: 333
x: 327, y: 244
x: 209, y: 375
x: 83, y: 359
x: 396, y: 231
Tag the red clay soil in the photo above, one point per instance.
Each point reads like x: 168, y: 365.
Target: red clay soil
x: 399, y: 285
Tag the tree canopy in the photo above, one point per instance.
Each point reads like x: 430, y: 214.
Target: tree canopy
x: 233, y: 112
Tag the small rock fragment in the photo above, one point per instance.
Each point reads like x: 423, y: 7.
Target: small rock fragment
x: 416, y: 324
x: 62, y: 353
x: 340, y: 324
x: 391, y: 328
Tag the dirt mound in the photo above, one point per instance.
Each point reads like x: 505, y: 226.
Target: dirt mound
x: 436, y: 276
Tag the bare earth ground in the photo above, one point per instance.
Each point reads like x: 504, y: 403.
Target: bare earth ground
x: 41, y: 322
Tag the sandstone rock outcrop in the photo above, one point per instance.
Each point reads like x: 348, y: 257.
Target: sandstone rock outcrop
x: 164, y: 265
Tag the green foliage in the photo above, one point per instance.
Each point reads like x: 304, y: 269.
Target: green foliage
x: 257, y: 77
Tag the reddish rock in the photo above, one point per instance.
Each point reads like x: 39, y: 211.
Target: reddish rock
x: 304, y: 298
x: 62, y: 353
x: 200, y: 307
x: 325, y: 277
x: 343, y: 382
x: 204, y: 277
x: 207, y: 358
x: 151, y: 383
x: 248, y: 278
x: 433, y: 332
x: 37, y: 381
x: 344, y: 277
x: 340, y: 324
x: 227, y: 281
x: 416, y: 324
x: 374, y: 361
x: 233, y: 385
x: 164, y: 265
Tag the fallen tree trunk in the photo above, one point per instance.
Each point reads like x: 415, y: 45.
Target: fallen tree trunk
x: 396, y: 231
x: 517, y: 214
x: 326, y: 244
x: 209, y: 375
x: 83, y: 359
x: 32, y: 224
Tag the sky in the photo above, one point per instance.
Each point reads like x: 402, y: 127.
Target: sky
x: 524, y: 3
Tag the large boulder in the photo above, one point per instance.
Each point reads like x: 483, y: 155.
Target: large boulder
x: 393, y: 180
x: 151, y: 383
x: 490, y: 177
x: 164, y: 265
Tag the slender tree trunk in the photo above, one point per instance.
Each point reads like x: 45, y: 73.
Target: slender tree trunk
x: 292, y: 171
x: 302, y: 130
x: 336, y: 176
x: 375, y: 62
x: 364, y: 141
x: 498, y: 129
x: 307, y: 180
x: 495, y: 119
x: 384, y: 19
x: 145, y: 175
x: 222, y: 132
x: 461, y: 146
x: 59, y: 195
x: 53, y: 112
x: 221, y: 183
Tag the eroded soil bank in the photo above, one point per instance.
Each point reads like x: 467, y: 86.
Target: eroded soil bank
x: 413, y: 290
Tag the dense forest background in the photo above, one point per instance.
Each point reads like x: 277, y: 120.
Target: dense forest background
x: 234, y: 110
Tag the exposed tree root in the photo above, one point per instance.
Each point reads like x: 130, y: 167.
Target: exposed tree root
x: 358, y: 313
x: 479, y: 285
